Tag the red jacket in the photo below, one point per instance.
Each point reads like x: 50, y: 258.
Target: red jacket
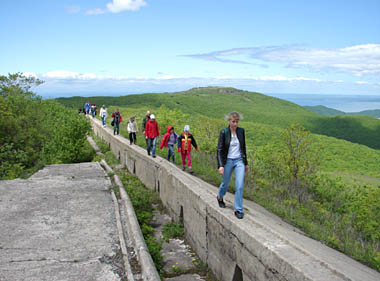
x: 151, y: 129
x: 166, y: 137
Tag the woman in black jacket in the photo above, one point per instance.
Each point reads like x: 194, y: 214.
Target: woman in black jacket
x: 232, y: 156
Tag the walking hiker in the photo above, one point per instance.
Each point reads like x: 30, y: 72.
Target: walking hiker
x: 93, y: 110
x: 151, y: 134
x: 232, y: 156
x: 145, y: 120
x: 103, y: 114
x: 87, y: 106
x: 185, y: 141
x: 132, y: 130
x: 117, y: 119
x: 169, y: 140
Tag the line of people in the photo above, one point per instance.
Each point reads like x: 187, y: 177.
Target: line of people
x: 89, y: 108
x: 231, y: 150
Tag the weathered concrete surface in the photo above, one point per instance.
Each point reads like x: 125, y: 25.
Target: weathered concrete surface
x: 259, y: 247
x: 58, y: 225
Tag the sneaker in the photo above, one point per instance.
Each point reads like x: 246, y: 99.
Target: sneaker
x: 183, y: 168
x: 221, y: 202
x: 191, y: 170
x: 154, y: 156
x: 149, y: 153
x: 239, y: 215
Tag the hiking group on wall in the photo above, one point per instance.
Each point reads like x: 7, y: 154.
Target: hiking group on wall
x: 231, y: 149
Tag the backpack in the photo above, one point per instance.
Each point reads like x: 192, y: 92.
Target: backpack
x: 117, y: 117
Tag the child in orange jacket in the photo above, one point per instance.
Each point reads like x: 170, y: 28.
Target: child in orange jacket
x: 185, y: 141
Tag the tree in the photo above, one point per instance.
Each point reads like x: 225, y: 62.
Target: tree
x: 300, y: 157
x: 17, y: 83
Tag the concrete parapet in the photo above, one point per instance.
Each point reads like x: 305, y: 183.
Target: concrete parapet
x: 259, y: 247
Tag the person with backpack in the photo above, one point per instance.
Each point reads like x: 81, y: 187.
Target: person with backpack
x: 132, y: 130
x: 151, y: 134
x: 185, y: 141
x: 169, y: 140
x: 103, y: 114
x: 232, y: 156
x: 117, y: 119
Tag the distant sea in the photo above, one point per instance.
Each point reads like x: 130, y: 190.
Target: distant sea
x: 345, y: 103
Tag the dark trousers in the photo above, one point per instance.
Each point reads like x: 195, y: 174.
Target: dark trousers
x: 132, y: 137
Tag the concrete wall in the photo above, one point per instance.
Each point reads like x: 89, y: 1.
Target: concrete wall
x: 259, y: 247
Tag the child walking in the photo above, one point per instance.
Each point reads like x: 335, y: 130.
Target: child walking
x: 132, y: 130
x: 169, y: 140
x: 185, y: 140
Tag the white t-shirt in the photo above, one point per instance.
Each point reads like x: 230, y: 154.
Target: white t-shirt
x: 234, y: 150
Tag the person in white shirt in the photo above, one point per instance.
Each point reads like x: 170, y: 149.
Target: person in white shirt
x: 103, y: 114
x: 132, y: 130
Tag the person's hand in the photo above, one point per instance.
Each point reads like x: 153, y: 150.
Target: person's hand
x: 146, y: 137
x: 221, y: 170
x: 246, y: 168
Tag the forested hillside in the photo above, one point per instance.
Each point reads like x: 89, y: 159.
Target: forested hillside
x: 36, y: 132
x: 320, y: 109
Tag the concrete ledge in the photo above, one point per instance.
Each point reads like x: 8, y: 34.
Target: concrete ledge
x: 149, y: 272
x: 260, y: 247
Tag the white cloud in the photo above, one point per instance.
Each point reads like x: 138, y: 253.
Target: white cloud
x: 359, y: 60
x: 117, y: 6
x: 68, y: 82
x: 29, y: 74
x: 97, y: 11
x: 74, y: 9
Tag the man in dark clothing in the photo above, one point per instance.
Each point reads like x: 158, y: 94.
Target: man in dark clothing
x: 145, y: 120
x: 116, y: 121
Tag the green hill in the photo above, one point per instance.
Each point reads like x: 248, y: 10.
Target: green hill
x: 373, y: 113
x: 217, y: 101
x: 323, y: 110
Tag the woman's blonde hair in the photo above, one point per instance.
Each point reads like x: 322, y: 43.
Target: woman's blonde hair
x: 234, y: 115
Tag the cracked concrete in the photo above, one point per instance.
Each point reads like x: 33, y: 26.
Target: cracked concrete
x: 58, y: 225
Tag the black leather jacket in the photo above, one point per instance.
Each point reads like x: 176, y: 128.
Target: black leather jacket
x: 224, y: 145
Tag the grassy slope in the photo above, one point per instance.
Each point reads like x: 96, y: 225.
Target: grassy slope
x: 323, y: 110
x: 264, y: 119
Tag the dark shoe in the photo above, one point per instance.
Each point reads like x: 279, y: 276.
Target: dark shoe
x: 239, y: 215
x: 191, y: 171
x: 154, y: 156
x: 221, y: 202
x: 149, y: 153
x: 183, y: 168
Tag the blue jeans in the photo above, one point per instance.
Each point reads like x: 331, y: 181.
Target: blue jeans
x: 116, y: 128
x: 152, y: 142
x: 104, y: 120
x: 239, y: 167
x: 171, y: 152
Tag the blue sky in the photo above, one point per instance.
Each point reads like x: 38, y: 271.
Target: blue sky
x: 82, y: 47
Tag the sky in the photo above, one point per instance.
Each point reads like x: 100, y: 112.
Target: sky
x: 117, y: 47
